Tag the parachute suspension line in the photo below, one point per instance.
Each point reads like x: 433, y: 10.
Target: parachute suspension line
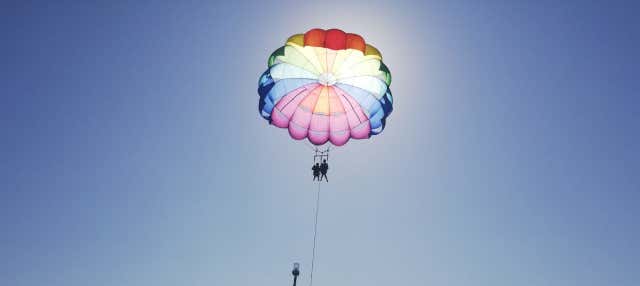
x: 315, y: 235
x: 321, y: 154
x: 313, y: 148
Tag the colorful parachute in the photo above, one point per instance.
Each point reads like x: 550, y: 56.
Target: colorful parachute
x: 326, y: 86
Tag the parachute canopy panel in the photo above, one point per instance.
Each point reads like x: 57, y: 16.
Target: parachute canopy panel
x: 326, y: 86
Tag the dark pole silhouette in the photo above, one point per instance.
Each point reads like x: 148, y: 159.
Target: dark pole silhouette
x: 295, y: 272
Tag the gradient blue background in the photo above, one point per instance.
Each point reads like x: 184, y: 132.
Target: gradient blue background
x: 132, y: 151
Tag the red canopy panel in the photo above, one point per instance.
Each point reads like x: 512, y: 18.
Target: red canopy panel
x: 334, y: 39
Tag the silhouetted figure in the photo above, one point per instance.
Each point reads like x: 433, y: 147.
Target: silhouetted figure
x: 316, y: 171
x: 324, y: 167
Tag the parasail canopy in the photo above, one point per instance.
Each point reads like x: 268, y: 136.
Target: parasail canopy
x: 327, y: 86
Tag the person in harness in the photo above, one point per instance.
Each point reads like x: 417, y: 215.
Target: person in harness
x: 316, y: 171
x: 324, y: 167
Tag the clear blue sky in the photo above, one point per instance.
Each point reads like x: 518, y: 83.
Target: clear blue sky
x: 132, y: 151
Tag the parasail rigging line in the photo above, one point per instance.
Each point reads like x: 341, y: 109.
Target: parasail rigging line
x: 313, y: 148
x: 315, y: 235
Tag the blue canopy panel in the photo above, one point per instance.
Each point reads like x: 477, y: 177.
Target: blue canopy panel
x: 271, y: 91
x: 376, y: 110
